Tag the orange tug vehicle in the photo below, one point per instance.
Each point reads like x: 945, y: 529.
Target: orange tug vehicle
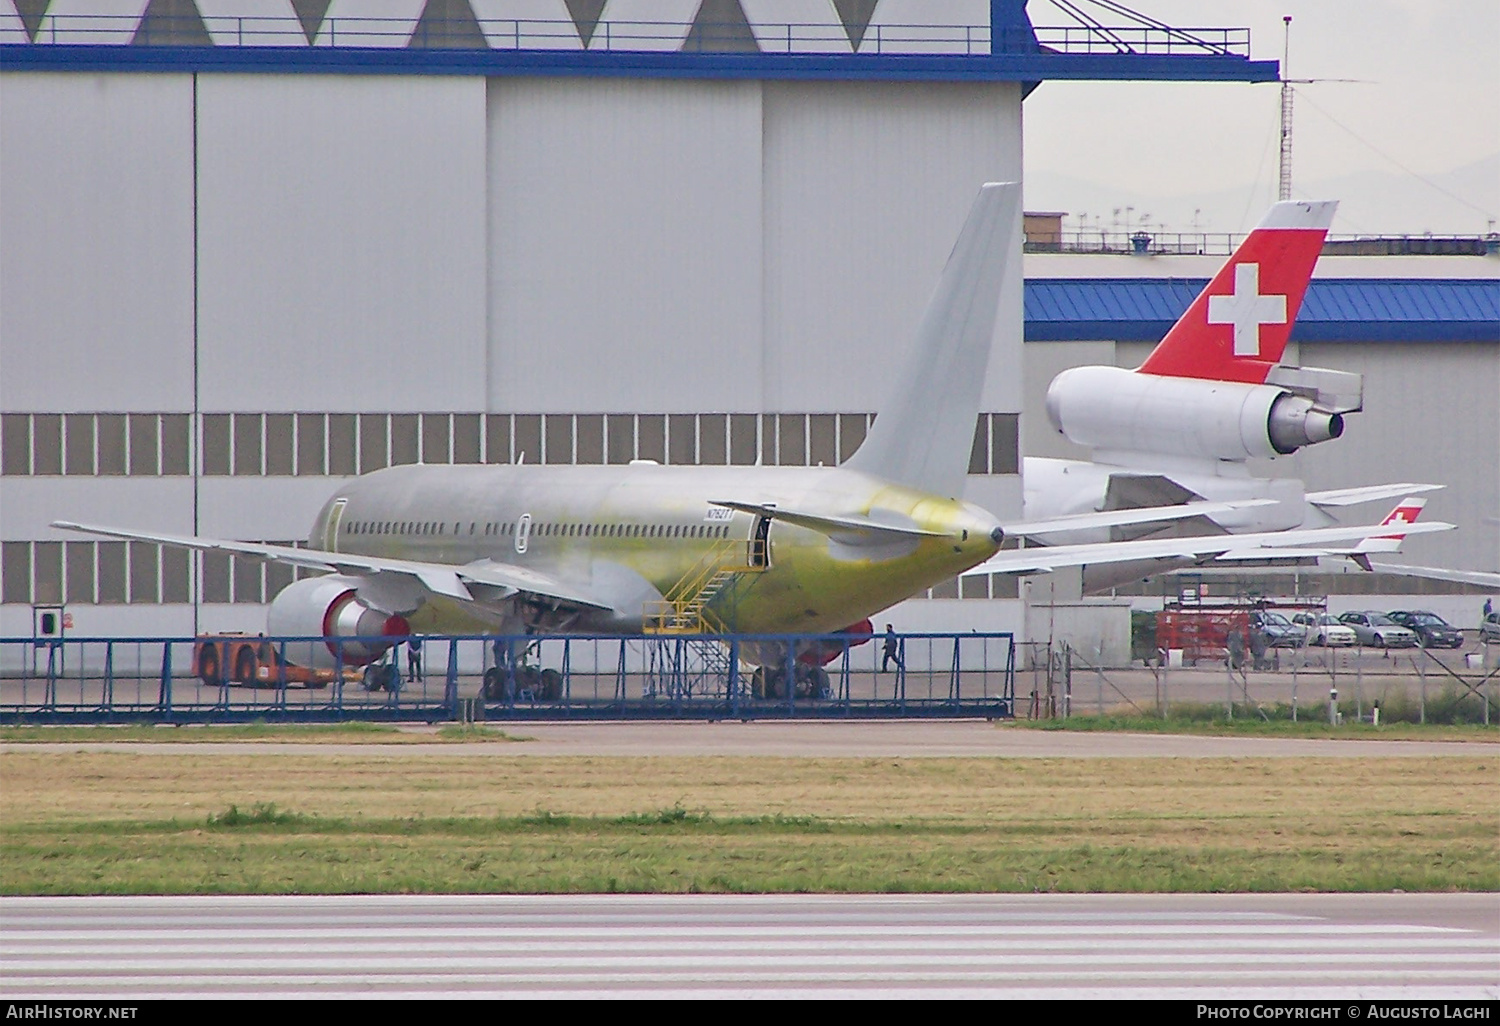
x: 254, y: 661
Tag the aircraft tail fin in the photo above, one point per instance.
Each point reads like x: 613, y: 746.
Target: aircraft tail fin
x: 1406, y: 512
x: 924, y: 432
x: 1237, y: 328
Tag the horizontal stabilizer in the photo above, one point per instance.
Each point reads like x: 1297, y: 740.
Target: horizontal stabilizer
x: 850, y: 529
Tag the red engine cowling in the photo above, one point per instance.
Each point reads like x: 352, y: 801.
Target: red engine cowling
x: 329, y: 607
x: 823, y: 652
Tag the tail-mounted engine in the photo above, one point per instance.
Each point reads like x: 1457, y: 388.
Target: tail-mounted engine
x: 1115, y: 409
x: 353, y: 632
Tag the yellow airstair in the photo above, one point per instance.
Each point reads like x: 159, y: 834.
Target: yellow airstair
x: 684, y: 608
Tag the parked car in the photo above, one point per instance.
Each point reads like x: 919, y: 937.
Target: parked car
x: 1489, y: 630
x: 1373, y: 628
x: 1432, y: 630
x: 1325, y: 629
x: 1276, y: 630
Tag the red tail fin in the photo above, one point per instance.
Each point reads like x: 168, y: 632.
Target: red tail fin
x: 1406, y: 512
x: 1237, y: 328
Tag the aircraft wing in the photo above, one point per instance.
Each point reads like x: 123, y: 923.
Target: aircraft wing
x: 1044, y: 558
x: 1369, y: 493
x: 1481, y: 578
x: 1123, y: 517
x: 439, y: 578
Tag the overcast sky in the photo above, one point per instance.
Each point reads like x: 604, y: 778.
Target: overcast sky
x: 1413, y: 146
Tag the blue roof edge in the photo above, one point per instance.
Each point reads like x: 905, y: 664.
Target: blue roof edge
x: 1358, y: 309
x: 1001, y: 67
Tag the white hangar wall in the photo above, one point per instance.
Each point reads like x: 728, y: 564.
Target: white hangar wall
x: 626, y: 244
x: 221, y: 294
x: 96, y: 242
x: 341, y: 242
x: 776, y: 241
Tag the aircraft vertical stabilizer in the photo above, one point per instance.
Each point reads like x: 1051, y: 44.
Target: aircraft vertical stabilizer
x: 1237, y: 328
x: 925, y: 429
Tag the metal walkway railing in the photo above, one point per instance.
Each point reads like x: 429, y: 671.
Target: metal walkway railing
x: 601, y: 677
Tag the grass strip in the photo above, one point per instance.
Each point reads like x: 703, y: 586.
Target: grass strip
x: 80, y: 822
x: 653, y: 853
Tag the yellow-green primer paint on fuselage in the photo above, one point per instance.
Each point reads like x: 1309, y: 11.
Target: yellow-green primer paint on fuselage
x: 628, y: 534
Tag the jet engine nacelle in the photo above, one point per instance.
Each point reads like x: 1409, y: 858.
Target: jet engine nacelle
x: 330, y: 607
x: 1121, y: 410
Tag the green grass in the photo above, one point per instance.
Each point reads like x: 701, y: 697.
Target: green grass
x: 679, y: 851
x: 380, y: 820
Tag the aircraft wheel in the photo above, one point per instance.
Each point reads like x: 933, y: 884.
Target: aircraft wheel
x: 758, y: 683
x: 551, y: 686
x: 494, y: 684
x: 378, y: 677
x: 208, y: 668
x: 244, y: 667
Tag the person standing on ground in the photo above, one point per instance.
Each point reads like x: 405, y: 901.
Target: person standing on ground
x: 891, y: 651
x: 414, y: 659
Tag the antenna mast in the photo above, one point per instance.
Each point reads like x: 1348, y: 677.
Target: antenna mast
x: 1284, y: 188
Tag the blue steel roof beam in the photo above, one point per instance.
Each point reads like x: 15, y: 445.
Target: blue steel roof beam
x: 1011, y: 67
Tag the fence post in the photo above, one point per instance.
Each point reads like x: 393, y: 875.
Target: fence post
x: 953, y: 692
x: 1067, y: 680
x: 49, y: 693
x: 164, y: 693
x: 1422, y: 692
x: 108, y: 696
x: 1166, y: 690
x: 732, y: 683
x: 1301, y: 658
x: 1229, y: 686
x: 1359, y: 679
x: 450, y: 686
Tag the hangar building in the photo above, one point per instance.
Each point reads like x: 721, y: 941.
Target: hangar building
x: 251, y: 247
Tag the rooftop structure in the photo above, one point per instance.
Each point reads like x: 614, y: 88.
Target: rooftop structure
x: 962, y: 40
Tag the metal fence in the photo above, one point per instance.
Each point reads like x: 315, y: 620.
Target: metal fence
x: 1351, y: 684
x: 475, y: 678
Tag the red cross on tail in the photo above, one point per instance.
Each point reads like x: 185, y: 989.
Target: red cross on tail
x: 1237, y: 328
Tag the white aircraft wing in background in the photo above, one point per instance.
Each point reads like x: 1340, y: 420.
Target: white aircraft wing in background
x: 1368, y: 493
x: 1045, y: 558
x: 1125, y: 517
x: 1480, y: 578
